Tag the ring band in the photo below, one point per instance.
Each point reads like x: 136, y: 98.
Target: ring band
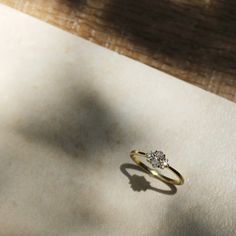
x: 158, y: 160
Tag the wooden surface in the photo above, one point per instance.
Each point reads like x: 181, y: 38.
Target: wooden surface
x: 193, y: 40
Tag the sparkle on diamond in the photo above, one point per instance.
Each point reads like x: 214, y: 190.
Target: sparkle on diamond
x: 157, y: 159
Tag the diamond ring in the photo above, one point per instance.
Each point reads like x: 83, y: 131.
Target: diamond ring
x: 156, y: 159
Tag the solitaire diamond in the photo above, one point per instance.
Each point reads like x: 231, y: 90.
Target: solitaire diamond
x: 157, y: 159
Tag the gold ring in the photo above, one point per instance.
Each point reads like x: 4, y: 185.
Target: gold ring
x: 158, y: 160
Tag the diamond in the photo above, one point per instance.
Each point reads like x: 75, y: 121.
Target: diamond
x: 157, y: 159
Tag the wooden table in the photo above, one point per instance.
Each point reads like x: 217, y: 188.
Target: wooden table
x: 193, y: 40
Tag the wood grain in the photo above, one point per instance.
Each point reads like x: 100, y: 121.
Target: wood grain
x: 193, y: 40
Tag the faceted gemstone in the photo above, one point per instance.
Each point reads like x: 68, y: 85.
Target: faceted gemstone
x: 157, y: 159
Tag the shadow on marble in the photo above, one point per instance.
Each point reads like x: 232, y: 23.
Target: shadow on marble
x: 186, y: 223
x: 139, y: 183
x: 81, y: 123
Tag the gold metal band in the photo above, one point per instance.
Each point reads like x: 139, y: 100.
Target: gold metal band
x: 135, y: 156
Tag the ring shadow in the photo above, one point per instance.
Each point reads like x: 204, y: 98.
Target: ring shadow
x: 139, y: 183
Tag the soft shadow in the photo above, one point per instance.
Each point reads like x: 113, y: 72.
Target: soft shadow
x: 75, y: 119
x: 187, y: 221
x: 139, y: 183
x: 73, y: 4
x: 194, y: 35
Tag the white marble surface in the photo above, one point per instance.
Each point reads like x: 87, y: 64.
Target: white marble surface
x: 70, y: 113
